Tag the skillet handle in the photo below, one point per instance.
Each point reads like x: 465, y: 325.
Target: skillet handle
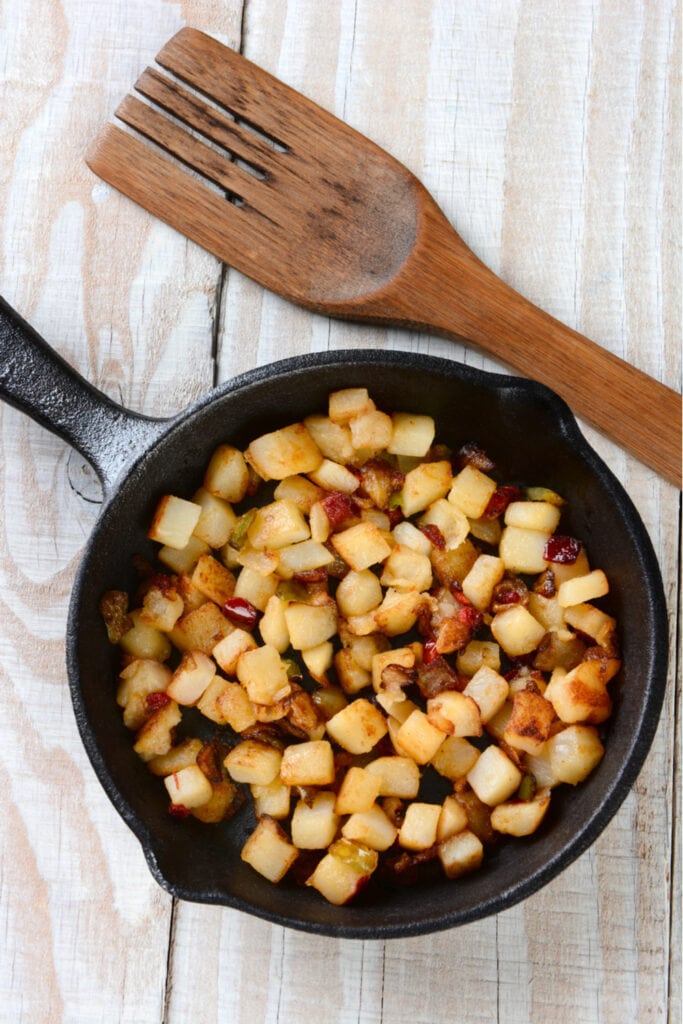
x: 39, y: 382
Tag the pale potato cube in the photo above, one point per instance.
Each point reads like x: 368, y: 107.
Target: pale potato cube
x: 301, y: 491
x: 217, y: 519
x: 183, y: 560
x: 461, y: 853
x: 162, y: 606
x: 332, y: 477
x: 174, y: 521
x: 268, y: 850
x: 379, y: 518
x: 272, y: 799
x: 254, y: 762
x: 366, y: 647
x: 477, y: 653
x: 520, y: 817
x: 497, y: 725
x: 581, y: 694
x: 582, y: 589
x: 227, y: 474
x: 412, y: 434
x: 454, y: 713
x: 449, y: 520
x: 142, y: 676
x: 361, y: 546
x: 213, y: 579
x: 419, y: 738
x: 352, y: 678
x: 223, y: 803
x: 286, y: 452
x: 310, y: 763
x: 398, y: 776
x: 358, y: 791
x: 574, y: 753
x: 256, y: 588
x: 234, y: 707
x: 358, y: 727
x: 454, y: 758
x: 143, y: 641
x: 333, y: 439
x: 420, y: 824
x: 533, y: 515
x: 372, y: 430
x: 208, y: 702
x: 229, y: 650
x: 343, y: 871
x: 408, y: 536
x: 406, y: 569
x: 452, y: 819
x: 487, y: 530
x: 517, y: 631
x: 200, y: 629
x: 547, y: 611
x: 302, y: 557
x: 531, y: 722
x: 318, y: 661
x: 273, y: 625
x: 398, y: 611
x: 315, y: 823
x: 425, y: 484
x: 180, y: 756
x: 263, y: 675
x: 347, y: 403
x: 191, y: 678
x: 319, y: 523
x: 494, y: 777
x: 310, y: 625
x: 155, y: 737
x: 488, y: 688
x: 188, y: 787
x: 264, y: 561
x: 478, y: 585
x: 471, y: 491
x: 588, y: 619
x: 277, y: 526
x: 522, y: 550
x: 539, y: 766
x: 371, y: 828
x: 398, y: 710
x: 568, y: 570
x: 358, y: 593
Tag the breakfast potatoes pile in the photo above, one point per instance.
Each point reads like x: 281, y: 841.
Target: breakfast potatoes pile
x: 367, y: 618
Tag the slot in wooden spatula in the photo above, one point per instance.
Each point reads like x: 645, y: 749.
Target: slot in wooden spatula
x: 275, y: 186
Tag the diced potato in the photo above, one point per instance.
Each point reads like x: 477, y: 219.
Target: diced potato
x: 398, y: 611
x: 358, y: 593
x: 568, y: 570
x: 310, y: 763
x: 581, y: 694
x: 273, y: 625
x: 358, y: 791
x: 315, y: 823
x: 347, y: 403
x: 582, y: 589
x: 454, y: 713
x: 531, y: 722
x: 191, y: 678
x: 201, y: 629
x: 454, y: 758
x: 255, y: 587
x: 488, y: 688
x: 343, y: 871
x: 450, y: 521
x: 180, y: 756
x: 574, y: 753
x: 547, y: 611
x: 156, y: 735
x: 216, y: 521
x: 213, y: 579
x: 487, y: 530
x: 408, y: 536
x: 282, y: 453
x: 406, y: 569
x: 318, y: 661
x: 183, y: 560
x: 268, y: 850
x: 143, y: 641
x: 471, y: 491
x: 188, y: 787
x: 277, y: 526
x: 494, y: 777
x: 452, y: 566
x: 533, y: 515
x: 174, y: 521
x: 477, y: 653
x: 192, y: 598
x: 452, y: 819
x: 301, y: 491
x: 358, y: 727
x: 333, y: 439
x: 263, y: 675
x: 361, y: 546
x: 419, y: 738
x: 420, y: 824
x: 272, y: 799
x: 319, y: 523
x: 404, y: 657
x: 588, y: 619
x: 398, y: 776
x: 425, y: 484
x: 487, y: 571
x: 352, y: 678
x: 522, y: 550
x: 498, y: 723
x: 263, y: 561
x: 371, y: 430
x: 302, y: 557
x: 332, y: 477
x: 207, y: 703
x: 254, y: 762
x: 228, y: 651
x: 227, y: 474
x: 412, y: 434
x: 517, y: 631
x: 520, y: 817
x: 310, y: 625
x: 162, y: 606
x: 371, y: 828
x: 461, y: 853
x: 234, y: 706
x: 141, y: 677
x: 224, y: 801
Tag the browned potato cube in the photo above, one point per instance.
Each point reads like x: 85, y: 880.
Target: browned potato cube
x: 358, y: 727
x: 174, y: 521
x: 461, y: 853
x: 268, y: 850
x: 201, y: 629
x: 253, y: 761
x: 343, y: 871
x: 531, y: 722
x: 227, y: 475
x: 310, y: 763
x: 287, y: 452
x: 213, y: 579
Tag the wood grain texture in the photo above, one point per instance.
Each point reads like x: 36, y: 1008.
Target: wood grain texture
x: 549, y: 135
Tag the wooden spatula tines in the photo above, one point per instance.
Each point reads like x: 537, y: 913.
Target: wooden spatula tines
x: 275, y: 186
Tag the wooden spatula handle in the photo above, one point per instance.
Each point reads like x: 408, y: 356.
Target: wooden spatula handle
x: 447, y: 290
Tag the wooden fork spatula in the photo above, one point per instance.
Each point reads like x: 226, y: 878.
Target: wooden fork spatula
x: 329, y: 220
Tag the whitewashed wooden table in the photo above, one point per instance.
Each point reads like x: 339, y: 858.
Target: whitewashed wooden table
x: 549, y: 132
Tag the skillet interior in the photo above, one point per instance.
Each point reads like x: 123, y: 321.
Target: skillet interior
x: 533, y: 439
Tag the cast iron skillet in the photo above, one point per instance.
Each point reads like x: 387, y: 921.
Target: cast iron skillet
x: 533, y: 438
